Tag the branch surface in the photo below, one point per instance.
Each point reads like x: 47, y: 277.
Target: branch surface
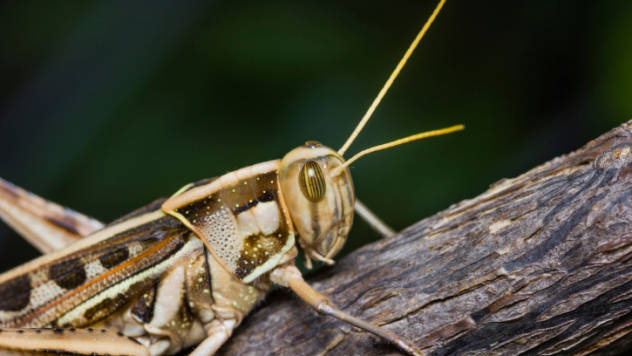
x: 538, y: 264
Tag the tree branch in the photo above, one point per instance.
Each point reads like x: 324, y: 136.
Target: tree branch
x: 538, y: 264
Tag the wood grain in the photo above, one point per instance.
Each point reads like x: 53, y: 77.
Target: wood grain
x: 538, y: 264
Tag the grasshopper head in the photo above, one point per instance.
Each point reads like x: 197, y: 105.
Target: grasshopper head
x: 319, y: 198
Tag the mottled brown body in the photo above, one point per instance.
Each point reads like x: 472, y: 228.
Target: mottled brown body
x: 245, y: 223
x: 186, y: 270
x: 183, y: 271
x: 149, y: 278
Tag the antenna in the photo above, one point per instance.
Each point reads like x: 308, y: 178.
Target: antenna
x: 390, y: 79
x: 397, y: 142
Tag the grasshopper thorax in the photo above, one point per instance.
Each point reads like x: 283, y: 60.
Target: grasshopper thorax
x: 319, y: 197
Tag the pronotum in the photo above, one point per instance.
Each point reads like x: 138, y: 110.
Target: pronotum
x: 186, y: 270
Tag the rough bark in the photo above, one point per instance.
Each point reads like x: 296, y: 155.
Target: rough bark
x: 538, y: 264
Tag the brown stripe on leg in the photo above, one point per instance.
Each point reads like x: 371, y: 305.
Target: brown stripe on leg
x: 44, y: 224
x: 143, y: 309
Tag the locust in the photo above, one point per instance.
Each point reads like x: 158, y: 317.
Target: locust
x: 183, y: 272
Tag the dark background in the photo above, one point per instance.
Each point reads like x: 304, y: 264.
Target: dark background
x: 107, y: 106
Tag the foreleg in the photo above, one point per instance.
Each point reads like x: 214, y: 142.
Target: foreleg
x: 218, y: 332
x: 290, y: 276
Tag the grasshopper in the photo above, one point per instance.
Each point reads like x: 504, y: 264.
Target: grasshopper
x: 185, y: 271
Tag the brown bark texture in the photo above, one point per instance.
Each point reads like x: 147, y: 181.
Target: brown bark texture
x: 538, y: 264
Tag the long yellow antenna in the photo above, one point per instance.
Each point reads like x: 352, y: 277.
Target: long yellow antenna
x: 398, y: 142
x: 391, y: 79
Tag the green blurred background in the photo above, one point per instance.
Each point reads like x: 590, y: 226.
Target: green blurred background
x: 106, y: 106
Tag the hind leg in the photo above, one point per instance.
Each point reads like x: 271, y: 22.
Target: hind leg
x: 87, y: 341
x: 44, y: 224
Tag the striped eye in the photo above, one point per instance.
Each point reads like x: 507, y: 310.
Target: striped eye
x: 312, y: 181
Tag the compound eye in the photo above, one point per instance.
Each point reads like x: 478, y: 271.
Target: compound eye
x: 312, y: 181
